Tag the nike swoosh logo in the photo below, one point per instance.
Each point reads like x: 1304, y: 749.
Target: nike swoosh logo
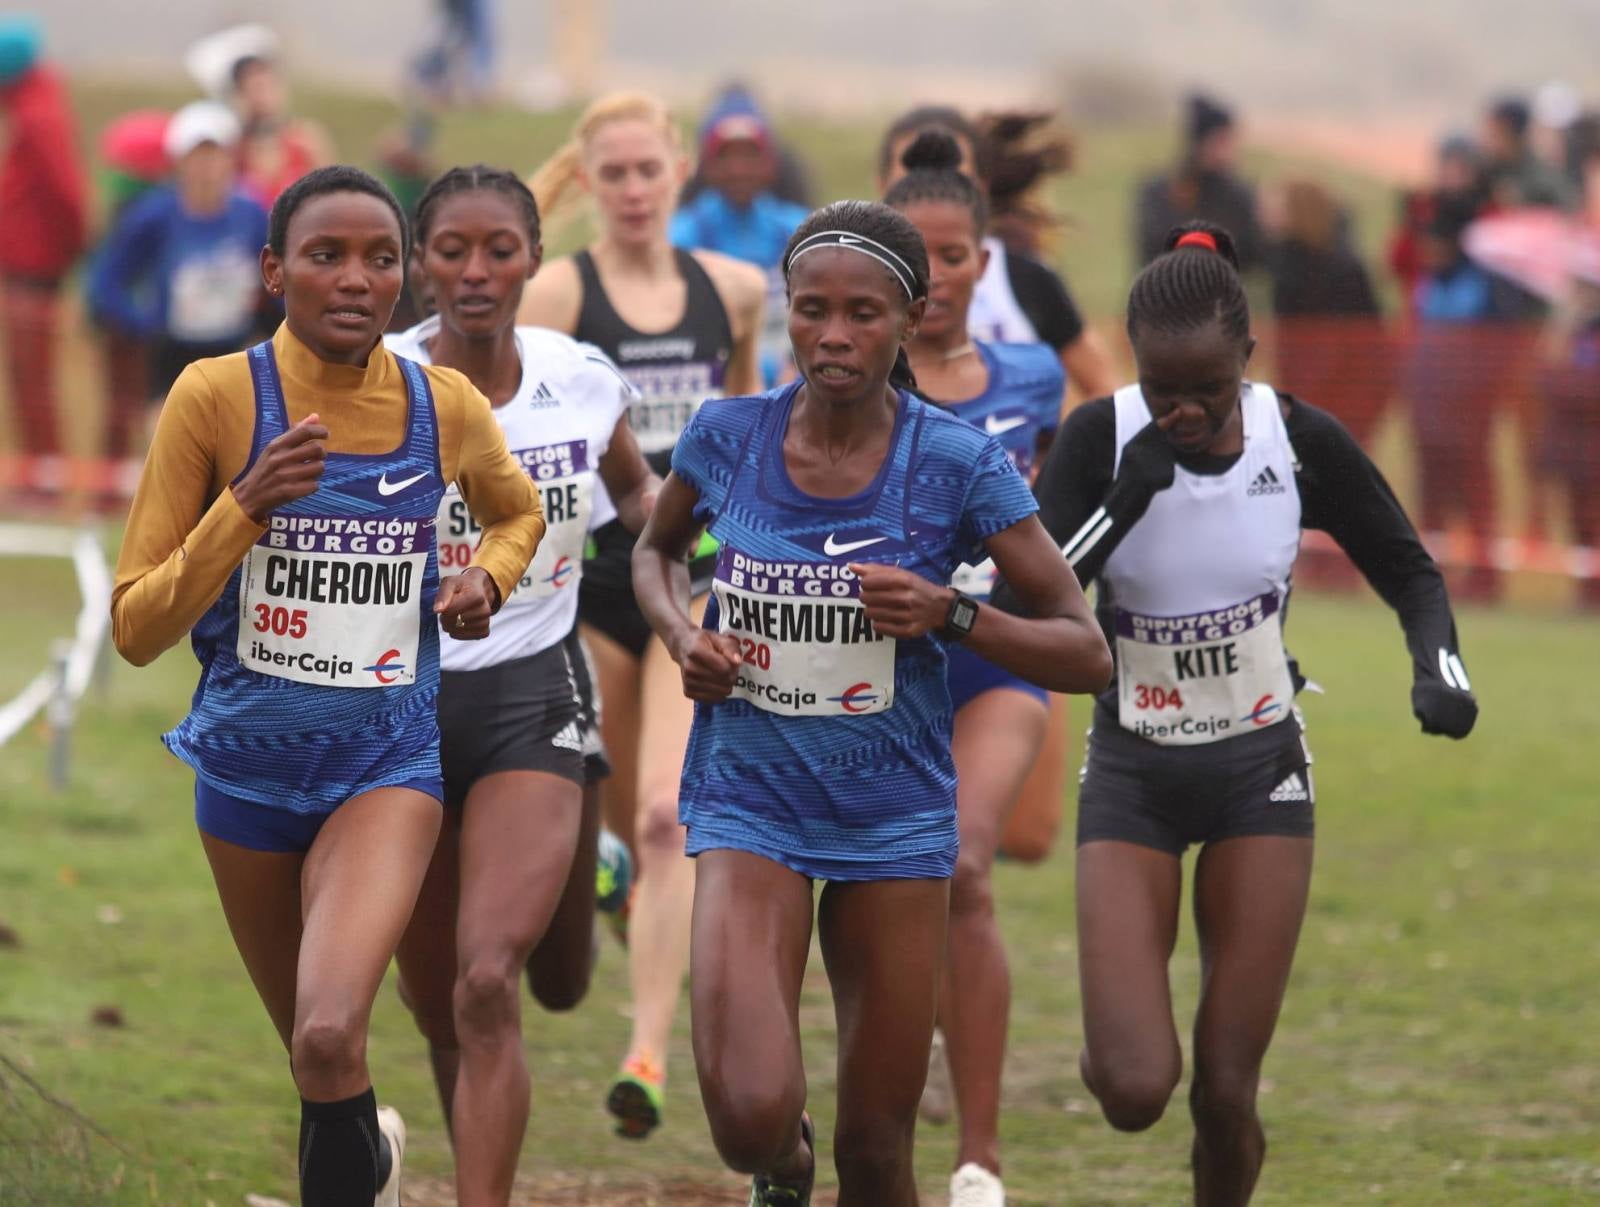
x: 848, y: 239
x: 833, y: 548
x: 995, y: 425
x: 386, y: 487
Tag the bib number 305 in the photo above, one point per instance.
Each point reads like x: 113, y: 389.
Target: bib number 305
x: 281, y: 622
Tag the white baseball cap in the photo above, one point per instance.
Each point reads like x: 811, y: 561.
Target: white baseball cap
x: 198, y: 123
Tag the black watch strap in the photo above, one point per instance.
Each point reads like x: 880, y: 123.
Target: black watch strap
x: 958, y: 621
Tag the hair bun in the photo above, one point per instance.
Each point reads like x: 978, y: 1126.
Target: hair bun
x: 1207, y: 236
x: 932, y: 151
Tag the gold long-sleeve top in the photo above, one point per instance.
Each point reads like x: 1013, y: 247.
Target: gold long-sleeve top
x: 187, y: 534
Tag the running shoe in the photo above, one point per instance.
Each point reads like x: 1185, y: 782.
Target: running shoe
x: 765, y: 1192
x: 935, y: 1105
x: 974, y: 1186
x: 613, y: 874
x: 393, y: 1129
x: 636, y: 1097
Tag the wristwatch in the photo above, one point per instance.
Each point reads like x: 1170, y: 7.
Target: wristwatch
x: 959, y: 620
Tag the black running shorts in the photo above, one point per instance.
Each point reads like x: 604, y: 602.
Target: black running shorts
x: 1167, y: 797
x: 522, y: 715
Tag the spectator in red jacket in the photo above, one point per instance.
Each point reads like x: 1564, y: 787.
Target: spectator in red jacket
x: 42, y: 225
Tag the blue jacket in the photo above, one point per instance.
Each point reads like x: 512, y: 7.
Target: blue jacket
x: 164, y: 272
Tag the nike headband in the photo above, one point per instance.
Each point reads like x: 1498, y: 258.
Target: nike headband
x: 867, y: 247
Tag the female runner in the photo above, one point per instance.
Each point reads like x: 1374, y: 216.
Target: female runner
x: 682, y: 327
x: 1184, y: 497
x: 1018, y: 300
x: 285, y: 516
x: 821, y: 741
x: 514, y: 871
x: 1013, y: 392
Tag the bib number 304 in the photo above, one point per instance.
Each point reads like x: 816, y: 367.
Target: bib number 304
x: 1157, y: 697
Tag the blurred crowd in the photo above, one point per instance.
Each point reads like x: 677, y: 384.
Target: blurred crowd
x: 1495, y: 259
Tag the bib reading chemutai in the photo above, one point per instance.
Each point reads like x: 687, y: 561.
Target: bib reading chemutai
x: 805, y: 643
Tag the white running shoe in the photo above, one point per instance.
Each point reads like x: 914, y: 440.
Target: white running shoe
x: 974, y: 1186
x: 393, y: 1129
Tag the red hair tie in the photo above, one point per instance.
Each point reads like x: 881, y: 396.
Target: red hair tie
x: 1196, y: 239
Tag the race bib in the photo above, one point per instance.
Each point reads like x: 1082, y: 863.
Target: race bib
x: 1188, y: 680
x: 566, y: 488
x: 806, y: 645
x: 669, y: 395
x: 335, y: 600
x: 211, y: 297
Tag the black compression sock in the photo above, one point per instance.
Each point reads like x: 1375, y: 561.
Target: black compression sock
x: 339, y: 1146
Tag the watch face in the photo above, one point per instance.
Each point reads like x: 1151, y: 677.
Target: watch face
x: 963, y: 615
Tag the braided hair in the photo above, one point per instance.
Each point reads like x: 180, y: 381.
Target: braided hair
x: 471, y: 180
x: 932, y: 164
x: 335, y: 178
x: 882, y: 225
x: 1193, y: 282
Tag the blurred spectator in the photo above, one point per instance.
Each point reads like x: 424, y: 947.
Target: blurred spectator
x: 180, y: 269
x: 1462, y: 357
x: 1583, y: 166
x: 737, y: 214
x: 133, y: 154
x: 1331, y: 346
x: 1314, y: 270
x: 240, y: 67
x: 791, y: 181
x: 1514, y: 174
x: 1555, y: 108
x: 1457, y: 185
x: 42, y: 225
x: 1204, y: 185
x: 1569, y: 446
x: 458, y: 64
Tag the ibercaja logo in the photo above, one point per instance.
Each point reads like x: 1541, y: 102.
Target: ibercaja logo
x: 388, y: 667
x: 858, y: 697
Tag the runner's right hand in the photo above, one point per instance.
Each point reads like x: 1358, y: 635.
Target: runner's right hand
x: 289, y: 468
x: 710, y: 664
x: 1149, y: 460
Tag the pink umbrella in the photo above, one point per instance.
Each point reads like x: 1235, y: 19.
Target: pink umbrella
x: 1538, y: 249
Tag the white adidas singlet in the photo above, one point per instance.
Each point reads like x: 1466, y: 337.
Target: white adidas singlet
x: 558, y: 425
x: 1199, y: 584
x: 995, y: 313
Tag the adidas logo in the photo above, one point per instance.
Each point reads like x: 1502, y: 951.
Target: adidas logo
x: 542, y: 397
x: 1266, y: 483
x: 569, y: 738
x: 1293, y: 790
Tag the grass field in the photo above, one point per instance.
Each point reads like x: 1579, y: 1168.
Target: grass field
x: 1437, y: 1046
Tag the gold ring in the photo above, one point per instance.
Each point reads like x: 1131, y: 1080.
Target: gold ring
x: 461, y: 621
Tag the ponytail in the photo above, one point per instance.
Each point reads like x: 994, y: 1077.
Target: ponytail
x: 555, y: 185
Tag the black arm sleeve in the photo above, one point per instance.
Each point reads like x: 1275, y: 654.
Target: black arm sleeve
x: 1043, y: 296
x: 1081, y: 508
x: 1344, y: 494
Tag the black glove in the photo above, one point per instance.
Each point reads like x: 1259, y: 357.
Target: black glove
x: 1148, y: 461
x: 1443, y: 709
